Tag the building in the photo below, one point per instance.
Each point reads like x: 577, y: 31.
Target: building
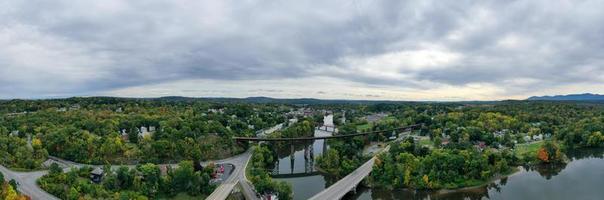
x: 527, y: 138
x: 14, y: 133
x: 481, y: 145
x: 444, y: 142
x: 124, y: 134
x: 538, y: 137
x: 96, y: 175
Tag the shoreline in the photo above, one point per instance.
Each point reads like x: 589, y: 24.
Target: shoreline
x: 515, y: 171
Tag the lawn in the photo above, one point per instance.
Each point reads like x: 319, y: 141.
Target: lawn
x: 363, y: 127
x: 367, y: 126
x: 426, y: 142
x: 389, y: 118
x: 531, y: 148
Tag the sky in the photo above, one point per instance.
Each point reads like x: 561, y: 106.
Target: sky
x: 351, y: 49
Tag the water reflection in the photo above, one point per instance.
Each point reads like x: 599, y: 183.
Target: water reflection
x: 298, y: 168
x: 581, y: 178
x: 303, y: 156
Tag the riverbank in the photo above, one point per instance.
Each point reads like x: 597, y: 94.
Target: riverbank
x: 526, y: 183
x: 482, y: 184
x: 513, y: 172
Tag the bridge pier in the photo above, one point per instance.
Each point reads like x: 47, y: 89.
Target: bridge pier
x: 306, y: 152
x: 292, y: 158
x: 324, y: 146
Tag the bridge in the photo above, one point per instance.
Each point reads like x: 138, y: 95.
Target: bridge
x: 352, y: 180
x: 348, y: 183
x: 327, y: 128
x: 256, y: 139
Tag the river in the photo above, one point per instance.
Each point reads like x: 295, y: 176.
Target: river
x: 580, y: 179
x: 299, y: 170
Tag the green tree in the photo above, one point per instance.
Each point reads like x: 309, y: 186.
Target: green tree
x: 54, y: 169
x: 150, y: 179
x: 125, y: 177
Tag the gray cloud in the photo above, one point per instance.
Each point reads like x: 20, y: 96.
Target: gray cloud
x: 64, y: 48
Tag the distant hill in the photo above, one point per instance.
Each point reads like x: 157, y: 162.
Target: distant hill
x: 571, y: 97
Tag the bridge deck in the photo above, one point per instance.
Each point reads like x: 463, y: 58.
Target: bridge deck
x: 322, y: 137
x: 346, y: 184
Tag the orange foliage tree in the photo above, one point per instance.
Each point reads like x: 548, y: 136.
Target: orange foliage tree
x: 542, y: 155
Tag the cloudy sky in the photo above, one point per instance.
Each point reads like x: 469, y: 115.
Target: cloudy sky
x: 351, y: 49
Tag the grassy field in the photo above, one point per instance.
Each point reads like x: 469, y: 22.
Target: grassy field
x: 426, y: 142
x: 363, y: 127
x: 388, y: 119
x: 530, y: 148
x: 367, y: 126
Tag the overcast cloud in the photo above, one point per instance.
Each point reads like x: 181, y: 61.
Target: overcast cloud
x: 401, y: 50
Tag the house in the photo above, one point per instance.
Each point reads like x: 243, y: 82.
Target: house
x: 164, y: 169
x: 445, y: 141
x: 481, y: 145
x: 124, y: 134
x: 220, y: 111
x: 144, y: 131
x: 96, y: 175
x: 527, y: 138
x: 75, y: 107
x: 538, y: 137
x: 14, y: 133
x: 269, y: 197
x: 500, y: 133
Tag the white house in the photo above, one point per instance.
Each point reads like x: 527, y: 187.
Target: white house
x: 527, y: 138
x: 14, y: 133
x: 538, y: 137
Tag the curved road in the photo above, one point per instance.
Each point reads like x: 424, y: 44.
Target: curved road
x: 237, y: 177
x: 27, y: 181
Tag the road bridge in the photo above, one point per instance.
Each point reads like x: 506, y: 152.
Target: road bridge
x: 327, y: 128
x: 352, y: 180
x: 349, y: 182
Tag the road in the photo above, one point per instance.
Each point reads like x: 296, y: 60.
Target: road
x: 27, y: 183
x: 237, y: 177
x: 28, y: 180
x: 349, y: 182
